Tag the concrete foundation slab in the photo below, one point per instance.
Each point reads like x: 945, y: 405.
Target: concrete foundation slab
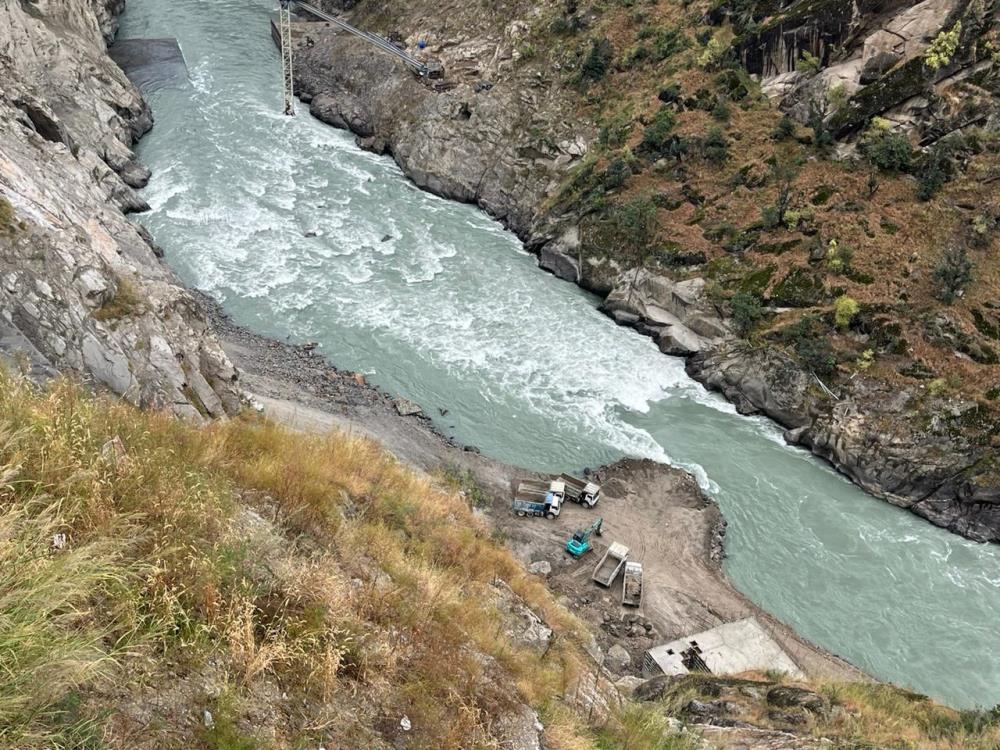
x: 732, y: 648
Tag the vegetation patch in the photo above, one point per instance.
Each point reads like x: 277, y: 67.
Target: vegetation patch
x: 8, y: 219
x: 800, y: 287
x: 130, y: 552
x: 125, y: 303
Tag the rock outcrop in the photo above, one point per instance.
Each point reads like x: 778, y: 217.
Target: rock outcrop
x: 81, y: 287
x: 676, y: 313
x: 873, y: 56
x: 905, y: 445
x: 499, y: 145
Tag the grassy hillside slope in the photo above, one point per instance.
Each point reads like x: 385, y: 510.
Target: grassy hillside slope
x: 243, y: 586
x: 301, y: 589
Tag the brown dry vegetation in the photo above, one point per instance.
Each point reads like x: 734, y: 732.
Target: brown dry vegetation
x: 367, y: 594
x: 896, y: 239
x: 857, y: 715
x: 303, y: 589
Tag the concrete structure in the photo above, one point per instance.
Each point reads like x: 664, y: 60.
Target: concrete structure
x: 150, y: 64
x: 735, y: 647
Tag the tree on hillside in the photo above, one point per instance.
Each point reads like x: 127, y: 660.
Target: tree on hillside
x: 952, y: 274
x: 747, y: 311
x: 783, y: 175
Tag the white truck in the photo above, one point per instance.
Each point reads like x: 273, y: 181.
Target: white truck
x: 579, y: 491
x: 539, y: 498
x: 611, y: 564
x: 632, y: 585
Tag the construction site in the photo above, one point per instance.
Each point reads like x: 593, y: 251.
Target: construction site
x: 642, y: 565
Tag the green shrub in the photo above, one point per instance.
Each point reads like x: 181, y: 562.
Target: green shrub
x: 617, y: 174
x: 952, y: 274
x: 981, y: 229
x: 656, y: 136
x: 636, y: 56
x: 937, y: 169
x: 844, y: 310
x: 838, y: 257
x: 810, y: 342
x: 668, y: 42
x: 942, y: 49
x: 713, y: 53
x: 784, y: 129
x: 715, y: 147
x: 808, y: 63
x: 837, y: 97
x: 615, y: 130
x: 822, y: 137
x: 746, y: 310
x: 669, y: 93
x: 721, y: 110
x: 887, y: 150
x: 598, y: 60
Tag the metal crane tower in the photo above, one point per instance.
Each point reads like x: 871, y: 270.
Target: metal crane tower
x: 285, y: 29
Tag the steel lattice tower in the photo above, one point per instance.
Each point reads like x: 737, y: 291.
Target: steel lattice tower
x: 288, y: 72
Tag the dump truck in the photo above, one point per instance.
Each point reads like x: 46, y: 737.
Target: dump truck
x: 539, y: 498
x: 632, y: 585
x: 611, y: 564
x: 579, y: 491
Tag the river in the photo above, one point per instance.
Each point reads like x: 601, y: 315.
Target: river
x: 434, y: 301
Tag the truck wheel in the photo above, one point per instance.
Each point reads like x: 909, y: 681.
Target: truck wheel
x: 521, y: 513
x: 550, y: 516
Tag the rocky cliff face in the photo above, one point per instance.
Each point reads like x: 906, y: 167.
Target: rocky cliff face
x: 483, y: 136
x: 905, y: 445
x: 81, y: 287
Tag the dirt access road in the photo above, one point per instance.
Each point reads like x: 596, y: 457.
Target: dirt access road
x: 659, y: 512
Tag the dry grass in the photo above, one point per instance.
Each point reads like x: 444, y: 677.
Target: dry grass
x: 125, y: 303
x: 894, y: 718
x: 316, y: 564
x: 862, y: 715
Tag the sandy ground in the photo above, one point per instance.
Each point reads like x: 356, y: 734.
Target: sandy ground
x: 657, y: 511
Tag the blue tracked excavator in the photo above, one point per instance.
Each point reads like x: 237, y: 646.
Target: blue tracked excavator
x: 579, y: 543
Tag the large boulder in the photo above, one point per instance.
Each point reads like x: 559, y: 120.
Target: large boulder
x: 677, y: 312
x: 617, y: 660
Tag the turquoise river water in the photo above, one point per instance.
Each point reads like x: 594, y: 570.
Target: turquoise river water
x: 452, y: 312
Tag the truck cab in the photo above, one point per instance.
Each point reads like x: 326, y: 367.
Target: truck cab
x: 590, y: 494
x: 555, y: 496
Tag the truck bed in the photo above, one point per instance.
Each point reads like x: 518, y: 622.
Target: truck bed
x: 632, y: 585
x: 572, y: 482
x: 611, y: 564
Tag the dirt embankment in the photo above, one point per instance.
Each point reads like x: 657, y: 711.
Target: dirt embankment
x: 658, y: 511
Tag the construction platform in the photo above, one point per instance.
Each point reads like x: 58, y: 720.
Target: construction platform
x: 735, y: 647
